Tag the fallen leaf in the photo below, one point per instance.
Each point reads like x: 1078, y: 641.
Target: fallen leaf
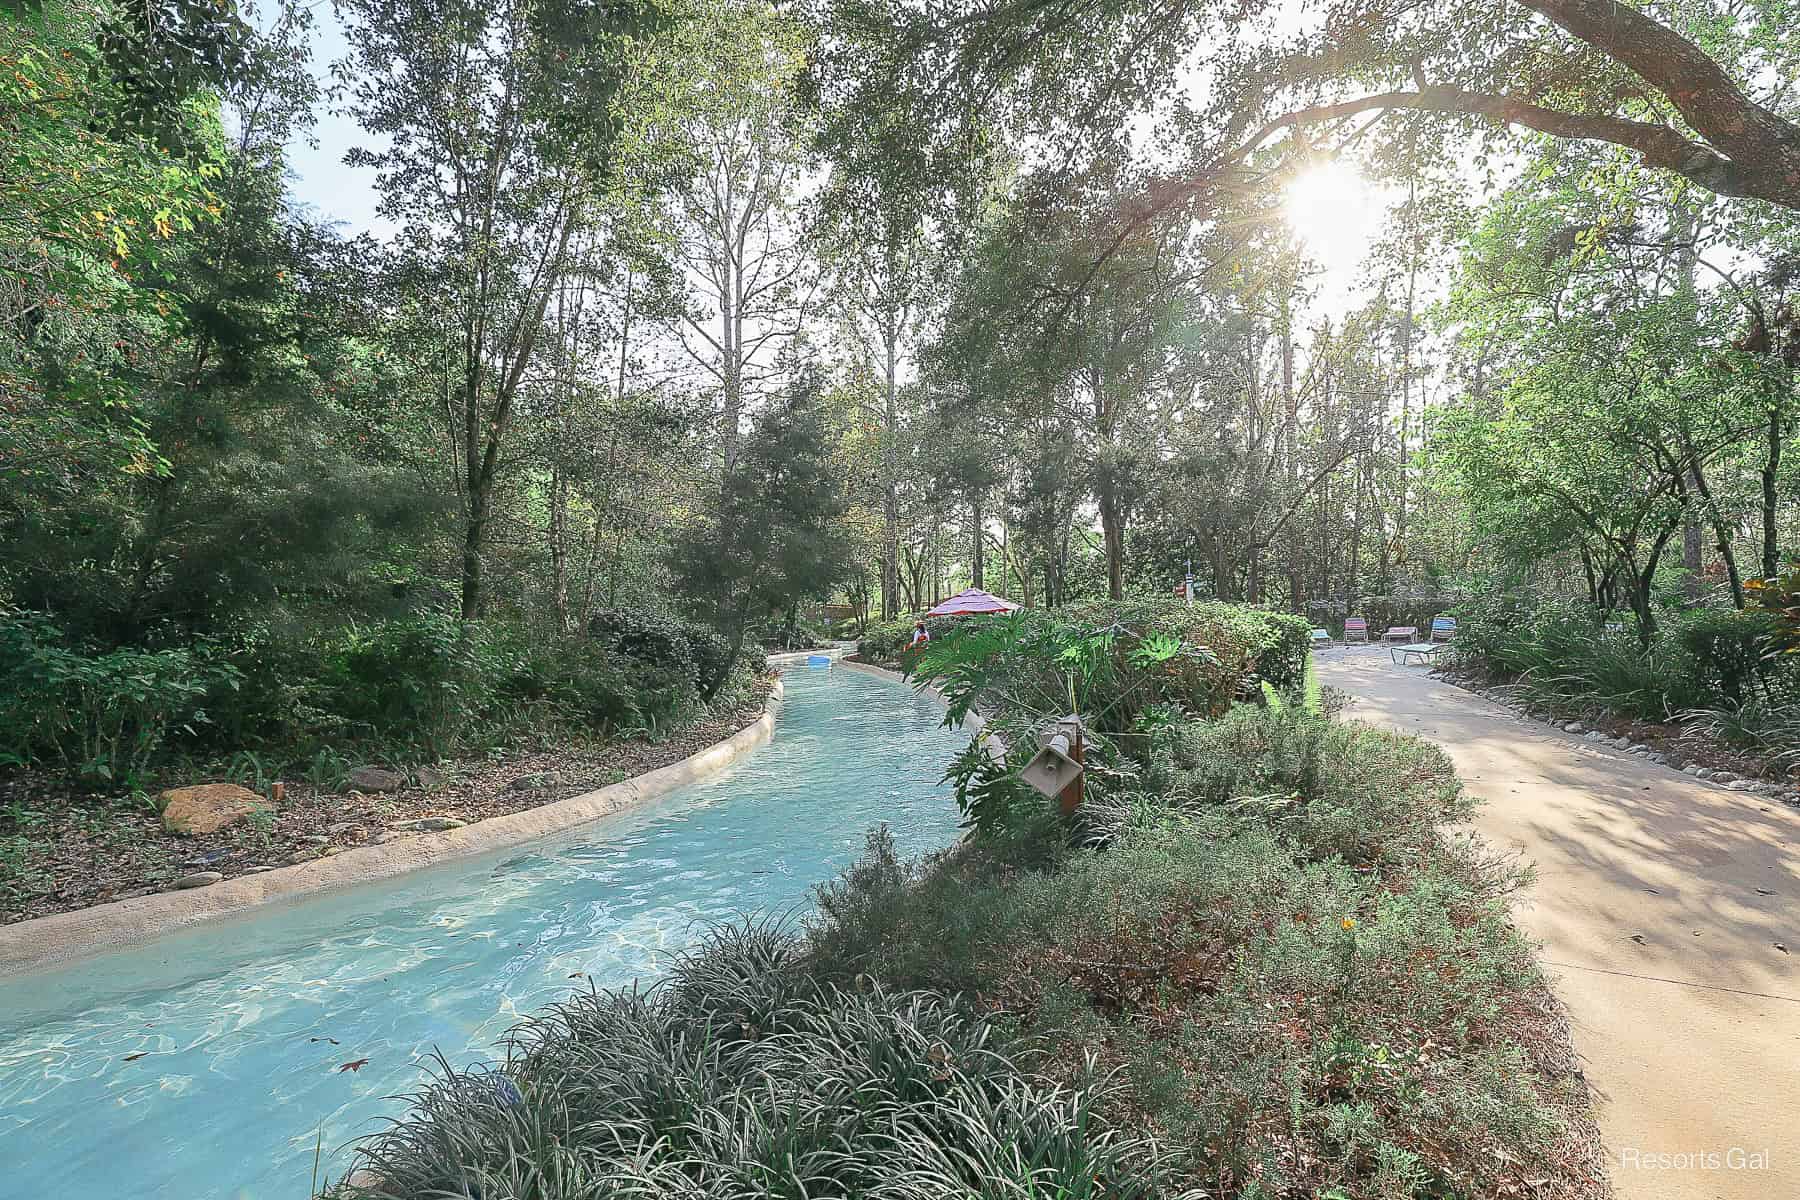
x: 575, y: 974
x: 333, y: 1041
x: 1781, y: 947
x: 1764, y: 892
x: 1653, y: 891
x: 355, y: 1064
x: 135, y: 1057
x: 1639, y: 939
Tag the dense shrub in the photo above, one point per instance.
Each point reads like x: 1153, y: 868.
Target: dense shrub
x: 1706, y: 660
x: 690, y: 651
x: 1724, y: 653
x: 425, y: 684
x: 1133, y: 671
x: 1251, y: 644
x: 884, y: 641
x: 1248, y: 642
x: 653, y: 638
x: 1309, y: 988
x: 743, y: 1075
x: 105, y: 715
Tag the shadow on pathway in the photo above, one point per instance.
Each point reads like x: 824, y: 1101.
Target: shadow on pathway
x: 1666, y: 908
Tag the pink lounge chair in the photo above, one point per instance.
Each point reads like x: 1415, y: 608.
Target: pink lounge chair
x: 1356, y: 629
x: 1401, y: 633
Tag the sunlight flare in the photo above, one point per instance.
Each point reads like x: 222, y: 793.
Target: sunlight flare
x: 1336, y: 212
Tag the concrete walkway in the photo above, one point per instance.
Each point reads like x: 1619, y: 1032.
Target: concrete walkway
x: 1669, y: 912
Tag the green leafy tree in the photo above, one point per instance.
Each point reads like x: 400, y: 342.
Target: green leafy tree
x: 775, y: 536
x: 500, y: 124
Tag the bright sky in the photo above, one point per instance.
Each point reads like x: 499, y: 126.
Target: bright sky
x: 320, y: 180
x: 1338, y: 214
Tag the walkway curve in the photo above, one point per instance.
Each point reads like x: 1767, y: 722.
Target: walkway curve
x: 1669, y: 912
x: 67, y: 937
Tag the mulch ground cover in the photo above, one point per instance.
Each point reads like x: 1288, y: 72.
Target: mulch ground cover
x: 63, y: 848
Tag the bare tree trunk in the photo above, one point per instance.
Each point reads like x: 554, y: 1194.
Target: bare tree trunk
x: 1771, y: 546
x: 1112, y: 531
x: 890, y: 464
x: 977, y: 538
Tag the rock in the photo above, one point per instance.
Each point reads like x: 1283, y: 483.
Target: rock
x: 304, y: 855
x: 1722, y: 777
x: 1622, y: 743
x: 436, y: 824
x: 331, y: 850
x: 364, y: 1179
x: 1574, y: 727
x: 257, y: 870
x: 1693, y: 769
x: 374, y: 779
x: 1594, y: 735
x: 314, y: 839
x: 207, y: 807
x: 531, y: 783
x: 431, y: 777
x: 1742, y: 785
x: 199, y: 879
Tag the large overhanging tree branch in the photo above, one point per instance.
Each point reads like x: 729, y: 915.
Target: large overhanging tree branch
x: 1742, y: 149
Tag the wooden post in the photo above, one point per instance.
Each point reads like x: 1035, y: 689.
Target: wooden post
x: 1071, y: 795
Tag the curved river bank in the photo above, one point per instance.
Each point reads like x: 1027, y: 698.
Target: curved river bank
x: 238, y: 1032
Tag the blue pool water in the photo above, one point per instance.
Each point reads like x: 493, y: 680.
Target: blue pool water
x: 237, y: 1079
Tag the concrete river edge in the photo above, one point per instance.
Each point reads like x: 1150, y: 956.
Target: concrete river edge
x: 212, y: 1061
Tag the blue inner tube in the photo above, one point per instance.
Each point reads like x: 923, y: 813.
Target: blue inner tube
x: 818, y: 660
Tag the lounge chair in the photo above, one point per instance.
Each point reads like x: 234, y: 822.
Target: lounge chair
x: 1356, y: 629
x: 1321, y: 637
x: 1425, y: 652
x: 1443, y: 628
x: 1401, y: 633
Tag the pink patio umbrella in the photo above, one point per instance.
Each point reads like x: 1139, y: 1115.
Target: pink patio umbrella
x: 972, y: 601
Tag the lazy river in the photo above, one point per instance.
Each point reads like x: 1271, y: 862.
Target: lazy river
x: 238, y: 1033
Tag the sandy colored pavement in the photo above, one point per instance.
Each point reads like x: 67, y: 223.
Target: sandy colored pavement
x: 1661, y: 902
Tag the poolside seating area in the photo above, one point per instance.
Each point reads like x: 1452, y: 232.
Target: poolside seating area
x: 1406, y: 645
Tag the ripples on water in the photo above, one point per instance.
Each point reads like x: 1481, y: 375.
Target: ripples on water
x: 243, y: 1025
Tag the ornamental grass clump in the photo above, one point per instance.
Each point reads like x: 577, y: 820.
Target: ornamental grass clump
x: 742, y: 1074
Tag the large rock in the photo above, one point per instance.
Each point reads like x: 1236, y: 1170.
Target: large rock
x: 207, y: 807
x: 374, y: 779
x: 200, y: 879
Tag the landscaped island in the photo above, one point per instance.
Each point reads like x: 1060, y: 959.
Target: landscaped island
x: 1257, y: 963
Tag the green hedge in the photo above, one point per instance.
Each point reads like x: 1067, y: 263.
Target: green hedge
x: 1252, y: 644
x: 1249, y: 642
